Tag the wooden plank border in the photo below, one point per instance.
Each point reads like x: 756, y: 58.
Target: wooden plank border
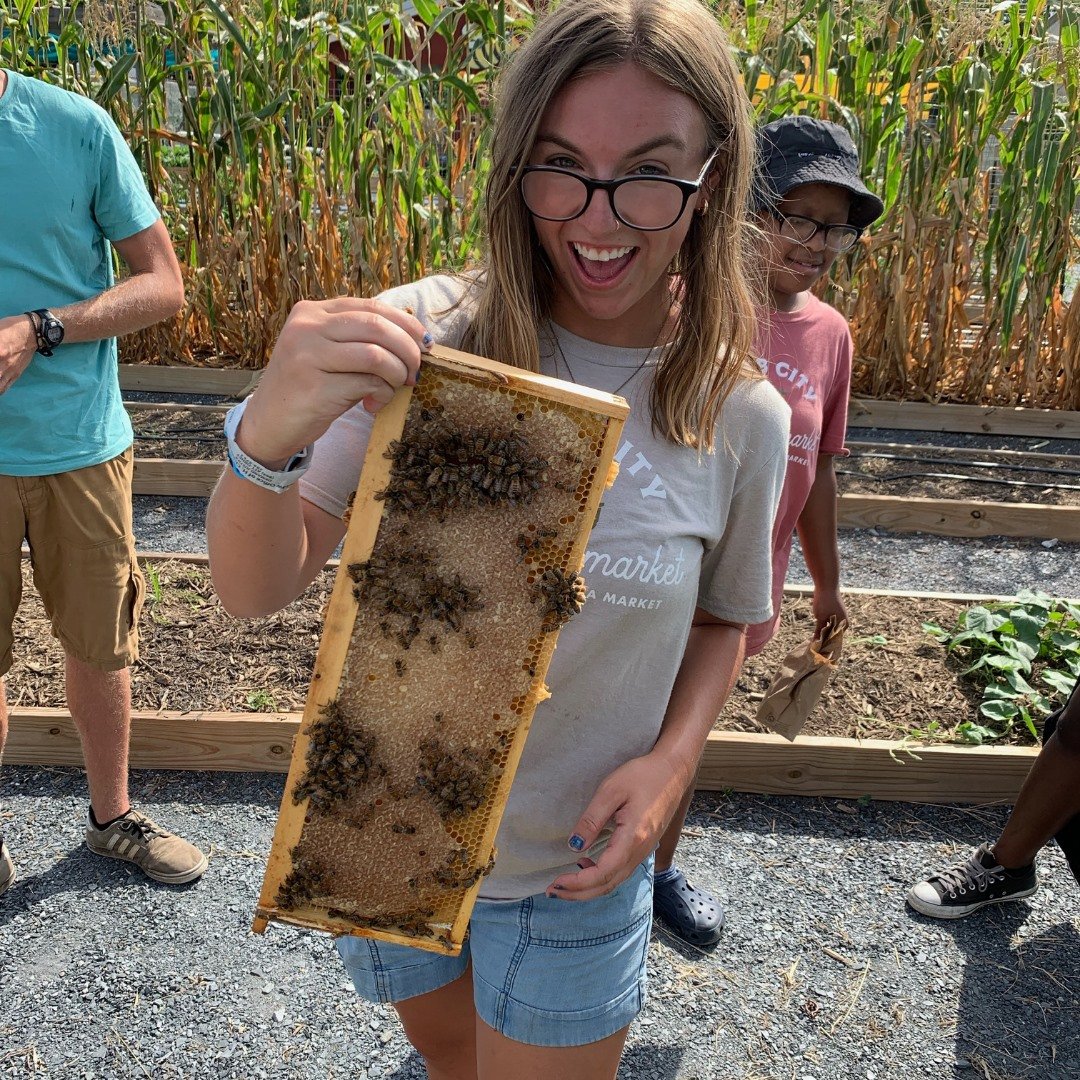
x: 175, y: 379
x: 851, y: 768
x: 958, y: 517
x: 738, y: 761
x: 216, y: 741
x: 175, y: 476
x: 974, y: 419
x: 216, y: 411
x: 862, y: 412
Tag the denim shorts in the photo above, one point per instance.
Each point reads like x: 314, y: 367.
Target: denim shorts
x: 545, y: 972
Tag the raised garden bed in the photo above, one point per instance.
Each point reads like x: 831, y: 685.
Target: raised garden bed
x: 894, y: 697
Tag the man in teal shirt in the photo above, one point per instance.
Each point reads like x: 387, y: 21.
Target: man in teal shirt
x: 70, y: 191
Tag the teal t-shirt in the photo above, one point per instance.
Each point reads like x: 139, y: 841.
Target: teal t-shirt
x: 68, y: 185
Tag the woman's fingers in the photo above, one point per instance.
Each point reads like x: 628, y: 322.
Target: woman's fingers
x: 331, y: 355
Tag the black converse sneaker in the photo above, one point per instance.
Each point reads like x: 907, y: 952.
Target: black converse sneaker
x: 971, y: 885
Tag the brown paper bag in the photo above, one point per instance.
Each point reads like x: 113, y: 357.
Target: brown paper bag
x: 803, y: 675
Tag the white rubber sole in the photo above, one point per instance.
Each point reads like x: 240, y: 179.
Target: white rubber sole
x: 958, y: 911
x: 195, y: 872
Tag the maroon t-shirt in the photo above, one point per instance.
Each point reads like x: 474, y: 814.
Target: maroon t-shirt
x: 806, y: 355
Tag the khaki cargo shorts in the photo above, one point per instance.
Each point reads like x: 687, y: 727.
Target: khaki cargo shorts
x: 82, y: 550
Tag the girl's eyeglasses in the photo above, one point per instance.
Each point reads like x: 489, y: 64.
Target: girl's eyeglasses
x: 804, y: 229
x: 645, y: 203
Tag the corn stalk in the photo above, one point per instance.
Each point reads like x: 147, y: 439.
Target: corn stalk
x: 276, y: 188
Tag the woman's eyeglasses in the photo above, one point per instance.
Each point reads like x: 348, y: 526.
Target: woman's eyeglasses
x: 804, y: 229
x: 645, y: 203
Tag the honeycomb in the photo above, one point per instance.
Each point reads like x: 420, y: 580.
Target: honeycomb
x: 479, y: 490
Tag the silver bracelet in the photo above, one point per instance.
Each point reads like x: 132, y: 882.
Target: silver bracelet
x: 247, y: 468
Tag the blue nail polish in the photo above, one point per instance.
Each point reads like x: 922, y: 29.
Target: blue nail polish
x: 576, y: 842
x: 427, y: 341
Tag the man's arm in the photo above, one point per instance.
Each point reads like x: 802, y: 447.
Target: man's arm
x: 153, y: 290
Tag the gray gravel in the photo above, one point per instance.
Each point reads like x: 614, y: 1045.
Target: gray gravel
x: 869, y: 559
x: 105, y: 975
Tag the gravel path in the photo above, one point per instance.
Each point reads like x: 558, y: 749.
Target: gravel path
x: 822, y: 973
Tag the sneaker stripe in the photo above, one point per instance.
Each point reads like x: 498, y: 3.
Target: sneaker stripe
x: 115, y: 839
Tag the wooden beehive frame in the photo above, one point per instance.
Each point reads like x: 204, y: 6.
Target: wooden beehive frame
x: 497, y: 387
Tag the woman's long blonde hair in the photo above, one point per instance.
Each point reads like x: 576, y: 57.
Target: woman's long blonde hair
x: 679, y: 42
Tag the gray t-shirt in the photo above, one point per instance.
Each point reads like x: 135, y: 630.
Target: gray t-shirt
x: 675, y: 532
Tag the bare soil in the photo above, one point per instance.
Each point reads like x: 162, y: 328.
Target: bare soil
x: 961, y: 473
x: 894, y: 680
x: 162, y: 433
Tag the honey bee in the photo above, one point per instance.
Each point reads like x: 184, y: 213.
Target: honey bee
x: 563, y: 596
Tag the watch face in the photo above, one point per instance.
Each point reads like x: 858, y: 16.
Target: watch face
x: 53, y: 331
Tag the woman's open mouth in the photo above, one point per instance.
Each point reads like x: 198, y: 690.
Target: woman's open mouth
x: 601, y: 265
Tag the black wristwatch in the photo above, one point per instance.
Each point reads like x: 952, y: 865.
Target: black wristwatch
x: 48, y: 328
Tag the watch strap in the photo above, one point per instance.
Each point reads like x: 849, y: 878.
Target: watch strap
x: 247, y: 468
x: 37, y: 321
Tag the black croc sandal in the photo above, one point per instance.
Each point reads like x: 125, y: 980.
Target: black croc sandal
x: 691, y: 915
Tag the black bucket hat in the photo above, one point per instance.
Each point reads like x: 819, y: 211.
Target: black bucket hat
x: 796, y: 150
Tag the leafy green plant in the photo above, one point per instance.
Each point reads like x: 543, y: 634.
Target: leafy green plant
x: 261, y: 701
x: 1024, y: 652
x: 155, y: 594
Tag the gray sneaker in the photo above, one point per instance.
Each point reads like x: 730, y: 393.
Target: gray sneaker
x: 970, y: 885
x: 157, y: 853
x: 7, y: 869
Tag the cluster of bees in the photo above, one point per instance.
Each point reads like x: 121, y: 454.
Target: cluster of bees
x: 407, y: 585
x: 455, y: 778
x: 563, y: 596
x: 305, y: 881
x: 436, y: 467
x: 340, y: 758
x: 440, y: 467
x: 410, y: 923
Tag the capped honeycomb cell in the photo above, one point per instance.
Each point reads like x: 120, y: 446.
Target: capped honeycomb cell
x: 460, y: 565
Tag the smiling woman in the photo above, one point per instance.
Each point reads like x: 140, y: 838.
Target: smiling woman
x: 617, y: 240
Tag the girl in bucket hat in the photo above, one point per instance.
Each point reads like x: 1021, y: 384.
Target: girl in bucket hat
x: 812, y: 206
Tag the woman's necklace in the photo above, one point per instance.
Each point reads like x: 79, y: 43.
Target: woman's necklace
x: 627, y: 380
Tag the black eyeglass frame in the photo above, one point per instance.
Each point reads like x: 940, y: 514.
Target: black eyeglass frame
x: 686, y: 187
x: 854, y: 231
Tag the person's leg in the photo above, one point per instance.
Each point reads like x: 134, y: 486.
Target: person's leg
x: 691, y: 914
x: 441, y: 1025
x: 665, y: 850
x: 12, y: 531
x: 433, y: 996
x: 1048, y: 805
x: 83, y: 554
x: 100, y: 706
x: 499, y: 1057
x: 1050, y: 795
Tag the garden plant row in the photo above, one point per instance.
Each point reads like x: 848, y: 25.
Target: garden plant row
x: 918, y: 670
